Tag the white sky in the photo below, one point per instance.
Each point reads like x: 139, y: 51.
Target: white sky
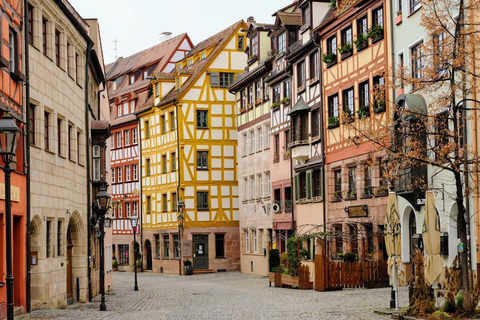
x: 137, y: 24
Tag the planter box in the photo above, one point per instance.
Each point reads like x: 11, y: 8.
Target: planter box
x: 289, y: 280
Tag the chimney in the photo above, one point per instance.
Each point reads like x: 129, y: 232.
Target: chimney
x: 251, y: 19
x: 164, y: 36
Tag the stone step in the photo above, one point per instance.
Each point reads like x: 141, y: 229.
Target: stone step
x: 18, y: 310
x: 202, y: 271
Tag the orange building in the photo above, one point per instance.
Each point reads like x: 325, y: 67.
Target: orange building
x: 11, y: 94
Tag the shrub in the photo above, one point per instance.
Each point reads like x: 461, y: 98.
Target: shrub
x: 293, y: 254
x: 349, y: 257
x: 187, y: 263
x: 460, y: 302
x: 114, y: 263
x: 273, y: 260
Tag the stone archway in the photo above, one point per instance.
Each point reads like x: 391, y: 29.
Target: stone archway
x: 36, y: 243
x: 76, y: 270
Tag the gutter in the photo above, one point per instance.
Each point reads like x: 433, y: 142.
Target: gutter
x: 178, y: 187
x: 87, y: 147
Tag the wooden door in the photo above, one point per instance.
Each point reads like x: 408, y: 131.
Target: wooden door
x: 200, y: 253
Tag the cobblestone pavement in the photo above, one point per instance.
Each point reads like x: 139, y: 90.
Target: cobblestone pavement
x: 230, y: 295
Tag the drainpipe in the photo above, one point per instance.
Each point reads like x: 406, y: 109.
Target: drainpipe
x: 87, y: 147
x: 180, y: 231
x: 26, y: 168
x: 140, y: 207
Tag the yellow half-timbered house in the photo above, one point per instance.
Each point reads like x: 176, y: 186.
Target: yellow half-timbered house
x: 189, y: 140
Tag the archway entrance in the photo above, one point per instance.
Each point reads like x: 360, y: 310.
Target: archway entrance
x: 69, y: 268
x: 148, y: 252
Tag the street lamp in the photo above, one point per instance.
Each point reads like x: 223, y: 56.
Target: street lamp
x: 101, y: 208
x: 9, y: 137
x: 134, y: 222
x: 180, y: 207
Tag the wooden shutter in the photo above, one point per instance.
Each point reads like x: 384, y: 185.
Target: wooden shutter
x: 309, y: 185
x: 214, y: 80
x: 297, y: 187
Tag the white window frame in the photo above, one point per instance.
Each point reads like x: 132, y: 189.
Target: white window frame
x: 255, y: 239
x: 247, y: 240
x: 127, y: 137
x: 127, y: 173
x: 260, y: 138
x: 119, y: 174
x: 128, y: 209
x: 135, y: 172
x: 134, y: 135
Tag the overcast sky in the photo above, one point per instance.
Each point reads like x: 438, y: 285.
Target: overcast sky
x: 137, y: 24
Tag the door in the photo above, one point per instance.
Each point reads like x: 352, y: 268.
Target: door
x: 69, y: 269
x: 148, y: 249
x: 200, y: 251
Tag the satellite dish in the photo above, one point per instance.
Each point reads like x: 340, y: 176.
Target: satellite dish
x: 275, y: 207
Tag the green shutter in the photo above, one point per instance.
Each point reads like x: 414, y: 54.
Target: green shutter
x: 309, y: 185
x: 214, y: 81
x: 297, y: 187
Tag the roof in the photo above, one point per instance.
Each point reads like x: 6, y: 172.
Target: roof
x: 217, y: 41
x: 247, y: 76
x: 300, y: 106
x: 290, y: 18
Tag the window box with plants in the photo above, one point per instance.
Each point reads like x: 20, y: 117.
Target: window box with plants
x: 337, y: 196
x: 329, y: 58
x: 275, y: 105
x: 333, y: 122
x: 252, y: 59
x: 363, y: 112
x: 346, y: 50
x: 375, y: 33
x: 347, y: 116
x: 352, y: 194
x: 187, y: 267
x: 285, y: 101
x: 361, y: 42
x: 367, y: 192
x: 378, y: 106
x: 382, y: 190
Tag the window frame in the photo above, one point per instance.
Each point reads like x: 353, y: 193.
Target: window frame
x: 202, y: 160
x: 202, y: 201
x: 202, y: 119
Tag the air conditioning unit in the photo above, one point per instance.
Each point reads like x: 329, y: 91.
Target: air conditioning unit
x: 276, y: 207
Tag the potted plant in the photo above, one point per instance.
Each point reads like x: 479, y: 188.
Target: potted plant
x: 367, y: 191
x: 352, y: 194
x: 275, y: 105
x: 114, y: 264
x: 382, y: 189
x: 337, y: 195
x: 187, y: 265
x: 285, y: 101
x: 332, y: 122
x: 346, y: 50
x: 363, y: 112
x: 329, y: 58
x: 378, y: 106
x: 333, y: 3
x: 361, y: 41
x: 375, y: 33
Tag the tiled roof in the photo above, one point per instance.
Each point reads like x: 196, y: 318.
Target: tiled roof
x: 164, y: 75
x: 245, y: 77
x: 290, y: 18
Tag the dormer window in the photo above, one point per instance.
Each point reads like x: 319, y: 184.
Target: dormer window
x: 305, y: 17
x: 203, y: 56
x: 190, y: 62
x: 114, y: 85
x: 254, y: 46
x: 132, y: 79
x: 282, y: 42
x: 240, y: 43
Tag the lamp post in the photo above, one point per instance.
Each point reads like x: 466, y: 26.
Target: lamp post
x: 101, y: 208
x: 180, y: 207
x: 134, y: 222
x: 9, y: 137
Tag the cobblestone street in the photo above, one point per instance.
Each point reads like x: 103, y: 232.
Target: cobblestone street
x: 230, y: 295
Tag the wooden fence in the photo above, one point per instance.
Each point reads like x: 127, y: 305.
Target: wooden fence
x: 331, y: 275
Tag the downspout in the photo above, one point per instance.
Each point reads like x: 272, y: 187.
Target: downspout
x: 180, y: 231
x: 27, y: 149
x: 140, y: 207
x: 87, y: 147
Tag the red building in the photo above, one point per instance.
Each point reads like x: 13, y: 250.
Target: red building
x: 11, y: 95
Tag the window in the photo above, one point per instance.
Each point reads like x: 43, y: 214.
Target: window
x: 147, y: 129
x: 253, y: 188
x: 276, y: 151
x: 379, y: 88
x: 301, y: 75
x: 243, y: 100
x: 267, y: 129
x: 119, y: 139
x: 78, y: 147
x: 245, y: 144
x: 250, y: 95
x: 332, y: 45
x: 164, y: 163
x: 132, y: 79
x: 247, y: 241
x: 260, y: 185
x: 352, y: 183
x: 173, y: 159
x: 166, y: 246
x: 315, y: 115
x: 59, y: 136
x: 288, y: 199
x: 148, y: 167
x: 252, y: 141
x: 337, y: 180
x: 44, y: 35
x: 49, y: 239
x: 172, y: 121
x: 128, y: 175
x: 135, y: 172
x: 255, y: 245
x: 277, y: 198
x: 12, y: 48
x: 240, y: 43
x: 333, y: 106
x: 314, y: 70
x: 348, y: 102
x: 202, y: 201
x: 163, y: 124
x: 287, y: 89
x: 305, y: 17
x: 221, y: 79
x: 364, y: 94
x: 254, y: 46
x: 127, y: 137
x: 78, y: 67
x: 202, y: 56
x: 46, y: 131
x: 282, y: 43
x: 157, y: 89
x: 128, y: 209
x: 202, y: 119
x: 123, y: 254
x: 174, y: 202
x: 292, y: 38
x: 377, y: 16
x: 276, y: 94
x: 157, y: 245
x: 362, y: 26
x: 317, y: 190
x: 302, y: 185
x: 96, y: 163
x: 59, y: 239
x: 245, y: 189
x: 415, y: 5
x: 176, y: 246
x: 219, y: 245
x: 135, y: 208
x: 382, y: 173
x: 113, y: 175
x: 269, y: 187
x: 132, y: 106
x: 57, y: 47
x: 260, y: 139
x: 367, y: 180
x: 30, y: 24
x: 258, y: 91
x: 149, y: 204
x: 119, y: 174
x: 70, y: 151
x: 119, y: 110
x: 134, y: 135
x: 202, y: 160
x: 299, y: 127
x: 439, y: 57
x: 190, y: 62
x: 164, y: 203
x: 346, y: 36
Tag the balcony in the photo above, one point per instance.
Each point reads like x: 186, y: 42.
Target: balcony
x: 300, y: 150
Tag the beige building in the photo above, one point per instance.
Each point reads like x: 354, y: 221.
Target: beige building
x: 59, y: 121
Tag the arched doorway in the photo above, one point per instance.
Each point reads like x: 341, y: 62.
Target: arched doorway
x: 74, y: 269
x: 148, y: 253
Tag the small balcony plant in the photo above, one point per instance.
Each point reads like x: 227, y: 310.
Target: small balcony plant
x: 337, y: 195
x: 375, y: 33
x: 346, y: 50
x: 285, y: 101
x: 329, y: 58
x: 361, y: 41
x: 378, y: 105
x: 332, y: 122
x: 367, y: 191
x: 363, y: 112
x: 275, y: 105
x: 114, y: 265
